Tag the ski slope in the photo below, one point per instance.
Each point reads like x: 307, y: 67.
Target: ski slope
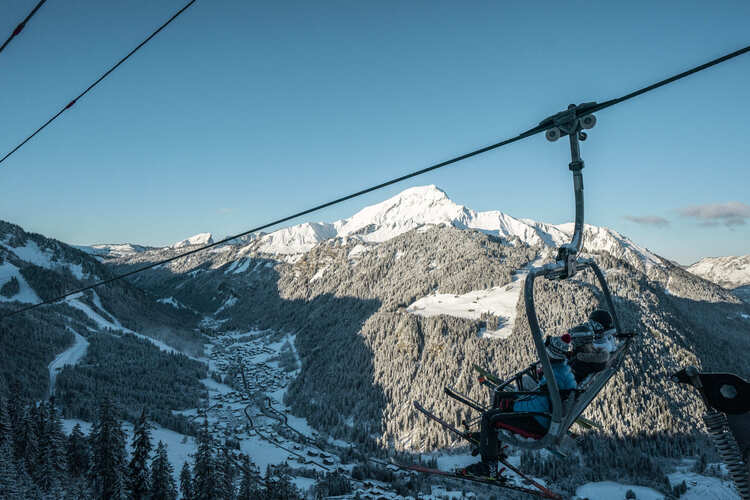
x: 70, y: 356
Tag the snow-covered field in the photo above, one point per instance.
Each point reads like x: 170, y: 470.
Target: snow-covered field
x: 500, y: 301
x: 608, y: 490
x: 701, y: 487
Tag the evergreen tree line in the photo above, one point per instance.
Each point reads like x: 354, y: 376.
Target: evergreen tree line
x: 134, y: 374
x: 39, y: 461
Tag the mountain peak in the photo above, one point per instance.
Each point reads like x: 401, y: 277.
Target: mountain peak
x: 729, y: 272
x: 198, y: 239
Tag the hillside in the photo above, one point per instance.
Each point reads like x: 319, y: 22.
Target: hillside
x: 347, y: 297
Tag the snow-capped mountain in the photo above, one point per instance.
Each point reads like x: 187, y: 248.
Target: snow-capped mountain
x: 418, y: 207
x: 729, y: 272
x: 429, y: 205
x: 198, y: 239
x: 113, y: 249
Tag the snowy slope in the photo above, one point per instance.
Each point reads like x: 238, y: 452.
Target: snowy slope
x: 198, y: 239
x: 70, y: 356
x: 729, y: 272
x: 113, y: 249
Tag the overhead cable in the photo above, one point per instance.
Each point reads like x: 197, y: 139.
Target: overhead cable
x: 21, y: 25
x: 523, y: 135
x: 104, y: 75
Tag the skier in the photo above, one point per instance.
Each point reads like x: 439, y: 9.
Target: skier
x: 505, y: 416
x: 590, y: 351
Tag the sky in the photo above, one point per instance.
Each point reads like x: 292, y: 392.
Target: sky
x: 241, y: 112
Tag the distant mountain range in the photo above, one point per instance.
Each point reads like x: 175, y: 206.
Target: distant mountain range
x: 351, y: 291
x: 413, y: 208
x: 729, y: 272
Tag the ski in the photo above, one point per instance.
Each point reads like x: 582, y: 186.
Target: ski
x: 546, y: 493
x: 464, y: 399
x: 486, y: 374
x: 476, y: 479
x: 446, y: 425
x: 588, y: 424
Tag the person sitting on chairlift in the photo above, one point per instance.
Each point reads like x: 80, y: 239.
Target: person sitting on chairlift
x: 590, y: 355
x: 505, y: 414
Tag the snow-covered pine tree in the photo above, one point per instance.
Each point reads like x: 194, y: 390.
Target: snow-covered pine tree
x: 186, y: 482
x: 29, y: 445
x: 8, y: 475
x: 162, y: 481
x: 56, y: 441
x: 77, y: 453
x: 249, y: 488
x: 137, y: 479
x: 5, y: 425
x: 107, y: 454
x: 204, y: 470
x: 225, y: 475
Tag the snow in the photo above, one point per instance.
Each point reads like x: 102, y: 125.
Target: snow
x: 32, y: 254
x: 703, y: 487
x: 238, y: 266
x: 115, y: 324
x: 198, y: 239
x: 25, y: 292
x: 172, y: 302
x: 608, y: 490
x: 70, y: 356
x: 729, y: 272
x: 179, y: 446
x: 113, y: 250
x: 296, y: 239
x: 227, y: 303
x: 500, y: 301
x: 303, y: 483
x: 319, y: 274
x: 357, y: 250
x: 422, y: 207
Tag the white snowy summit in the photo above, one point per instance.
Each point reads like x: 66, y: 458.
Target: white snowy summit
x: 729, y: 272
x: 428, y: 205
x: 198, y: 239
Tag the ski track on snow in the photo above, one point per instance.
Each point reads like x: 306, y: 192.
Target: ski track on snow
x: 71, y: 356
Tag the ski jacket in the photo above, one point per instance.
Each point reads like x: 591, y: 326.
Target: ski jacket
x: 565, y: 382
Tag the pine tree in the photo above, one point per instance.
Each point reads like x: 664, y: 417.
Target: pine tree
x: 204, y: 470
x: 9, y: 487
x: 162, y: 480
x: 249, y: 488
x: 108, y: 454
x: 77, y: 453
x: 56, y: 441
x: 6, y: 430
x: 186, y: 482
x: 225, y: 475
x: 29, y: 448
x: 137, y: 481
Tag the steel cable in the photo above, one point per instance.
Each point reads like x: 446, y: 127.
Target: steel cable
x: 17, y: 31
x: 523, y: 135
x: 104, y: 75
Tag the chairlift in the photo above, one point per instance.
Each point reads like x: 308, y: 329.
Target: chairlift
x: 566, y: 406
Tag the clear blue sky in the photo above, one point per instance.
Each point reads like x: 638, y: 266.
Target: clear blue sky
x: 240, y: 112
